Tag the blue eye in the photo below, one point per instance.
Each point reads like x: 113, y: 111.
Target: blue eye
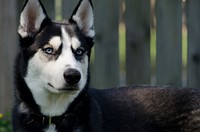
x: 48, y: 50
x: 80, y: 52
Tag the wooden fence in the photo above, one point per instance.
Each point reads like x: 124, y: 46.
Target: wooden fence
x: 105, y: 70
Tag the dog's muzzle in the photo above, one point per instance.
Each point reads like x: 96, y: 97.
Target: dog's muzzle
x: 72, y: 76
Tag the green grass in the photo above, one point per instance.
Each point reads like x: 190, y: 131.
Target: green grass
x: 153, y: 50
x: 184, y: 48
x: 122, y: 46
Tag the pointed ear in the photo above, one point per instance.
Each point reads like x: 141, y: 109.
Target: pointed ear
x: 32, y: 16
x: 83, y: 16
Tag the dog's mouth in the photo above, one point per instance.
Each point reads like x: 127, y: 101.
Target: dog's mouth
x: 66, y: 88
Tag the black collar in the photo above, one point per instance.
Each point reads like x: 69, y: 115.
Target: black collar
x: 47, y: 119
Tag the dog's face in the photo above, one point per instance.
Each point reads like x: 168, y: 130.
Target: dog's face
x: 56, y: 54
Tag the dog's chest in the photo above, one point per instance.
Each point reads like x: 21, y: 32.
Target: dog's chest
x: 51, y: 128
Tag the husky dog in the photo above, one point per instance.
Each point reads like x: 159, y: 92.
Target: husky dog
x: 52, y: 91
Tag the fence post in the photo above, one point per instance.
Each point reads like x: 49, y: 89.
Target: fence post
x: 8, y: 43
x: 137, y: 19
x: 106, y: 65
x: 193, y: 25
x: 169, y: 34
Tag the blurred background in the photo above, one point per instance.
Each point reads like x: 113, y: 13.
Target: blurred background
x: 151, y: 42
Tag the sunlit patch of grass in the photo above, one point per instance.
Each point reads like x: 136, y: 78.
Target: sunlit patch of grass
x: 153, y: 55
x: 122, y: 46
x: 184, y: 48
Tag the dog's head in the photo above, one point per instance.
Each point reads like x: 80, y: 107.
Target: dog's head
x: 56, y: 54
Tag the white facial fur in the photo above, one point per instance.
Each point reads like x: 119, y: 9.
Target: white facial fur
x: 55, y: 42
x: 41, y: 72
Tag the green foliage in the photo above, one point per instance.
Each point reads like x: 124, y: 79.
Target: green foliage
x: 5, y: 123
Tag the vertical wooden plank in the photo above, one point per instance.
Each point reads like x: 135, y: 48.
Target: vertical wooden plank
x: 19, y: 5
x: 8, y: 44
x: 169, y: 34
x: 137, y: 20
x: 67, y: 8
x: 193, y: 25
x: 106, y: 66
x: 50, y: 7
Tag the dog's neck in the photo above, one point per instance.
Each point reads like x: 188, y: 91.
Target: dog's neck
x: 33, y: 115
x: 53, y: 104
x: 48, y: 120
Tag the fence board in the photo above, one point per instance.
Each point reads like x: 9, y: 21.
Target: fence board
x: 67, y: 8
x: 8, y: 43
x: 169, y: 32
x: 19, y: 5
x: 106, y: 66
x: 50, y: 7
x: 193, y: 23
x: 137, y: 20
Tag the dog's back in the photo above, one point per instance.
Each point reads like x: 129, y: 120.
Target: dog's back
x: 149, y: 109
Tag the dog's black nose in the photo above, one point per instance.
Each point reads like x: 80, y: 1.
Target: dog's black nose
x: 72, y: 76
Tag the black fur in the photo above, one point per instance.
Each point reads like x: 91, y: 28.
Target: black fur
x: 130, y: 109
